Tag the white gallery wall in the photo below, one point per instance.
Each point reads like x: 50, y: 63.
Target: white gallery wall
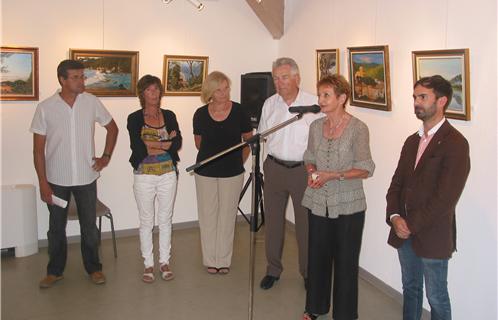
x: 226, y: 31
x: 236, y: 42
x: 406, y: 26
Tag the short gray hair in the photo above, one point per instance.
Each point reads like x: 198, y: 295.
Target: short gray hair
x: 286, y: 61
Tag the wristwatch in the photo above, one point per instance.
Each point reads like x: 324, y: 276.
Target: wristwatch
x: 341, y: 177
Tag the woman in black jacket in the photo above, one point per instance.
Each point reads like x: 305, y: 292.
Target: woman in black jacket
x: 154, y: 141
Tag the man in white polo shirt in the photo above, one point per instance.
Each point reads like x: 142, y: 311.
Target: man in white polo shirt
x: 63, y: 130
x: 285, y: 174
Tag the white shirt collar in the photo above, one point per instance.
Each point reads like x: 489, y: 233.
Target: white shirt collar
x: 433, y: 129
x: 298, y: 97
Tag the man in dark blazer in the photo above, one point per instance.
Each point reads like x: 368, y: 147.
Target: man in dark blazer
x: 421, y: 200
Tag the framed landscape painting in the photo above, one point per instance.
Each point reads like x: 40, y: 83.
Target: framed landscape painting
x: 453, y: 65
x: 184, y: 75
x: 369, y: 77
x: 19, y: 73
x: 327, y: 62
x: 109, y: 73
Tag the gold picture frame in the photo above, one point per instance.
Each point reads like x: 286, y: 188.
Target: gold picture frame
x: 19, y: 74
x: 369, y: 77
x: 453, y: 65
x: 184, y: 75
x: 327, y: 62
x: 109, y: 73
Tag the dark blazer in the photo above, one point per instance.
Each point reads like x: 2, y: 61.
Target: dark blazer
x: 138, y: 149
x: 427, y: 196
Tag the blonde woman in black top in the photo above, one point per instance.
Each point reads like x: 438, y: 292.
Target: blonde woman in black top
x: 218, y: 125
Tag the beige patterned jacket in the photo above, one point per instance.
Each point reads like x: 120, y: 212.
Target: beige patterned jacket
x: 350, y: 150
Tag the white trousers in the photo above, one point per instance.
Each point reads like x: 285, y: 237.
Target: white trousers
x: 217, y: 201
x: 147, y: 188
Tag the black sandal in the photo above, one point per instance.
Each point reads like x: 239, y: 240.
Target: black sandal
x: 224, y: 270
x: 309, y: 316
x: 212, y: 270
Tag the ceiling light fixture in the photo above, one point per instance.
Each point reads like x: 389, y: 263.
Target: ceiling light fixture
x: 258, y: 1
x: 197, y: 4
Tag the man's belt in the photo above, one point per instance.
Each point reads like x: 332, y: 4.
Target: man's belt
x: 285, y: 163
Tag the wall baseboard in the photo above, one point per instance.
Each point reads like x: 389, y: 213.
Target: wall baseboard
x: 43, y: 243
x: 387, y: 290
x: 363, y: 274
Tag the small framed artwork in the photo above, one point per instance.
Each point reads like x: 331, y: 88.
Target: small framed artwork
x: 327, y: 62
x: 369, y: 77
x: 109, y: 73
x: 453, y: 65
x: 19, y: 73
x: 184, y: 75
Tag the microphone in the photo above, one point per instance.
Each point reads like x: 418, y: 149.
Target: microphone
x: 305, y: 109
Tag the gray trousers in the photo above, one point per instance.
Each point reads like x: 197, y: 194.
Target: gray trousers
x: 280, y: 183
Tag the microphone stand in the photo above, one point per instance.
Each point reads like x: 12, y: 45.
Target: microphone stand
x: 254, y: 142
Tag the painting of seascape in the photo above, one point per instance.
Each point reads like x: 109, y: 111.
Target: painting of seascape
x: 109, y: 73
x: 18, y: 73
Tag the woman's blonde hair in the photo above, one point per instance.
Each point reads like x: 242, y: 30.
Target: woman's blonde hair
x: 211, y: 84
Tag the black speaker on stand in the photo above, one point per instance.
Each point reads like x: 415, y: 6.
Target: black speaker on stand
x: 255, y: 88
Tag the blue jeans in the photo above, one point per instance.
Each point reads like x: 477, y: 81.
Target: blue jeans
x: 414, y: 270
x: 86, y: 201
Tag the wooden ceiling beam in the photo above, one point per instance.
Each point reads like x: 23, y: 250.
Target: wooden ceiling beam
x: 271, y: 14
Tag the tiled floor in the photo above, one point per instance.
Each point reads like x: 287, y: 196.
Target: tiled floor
x: 193, y: 294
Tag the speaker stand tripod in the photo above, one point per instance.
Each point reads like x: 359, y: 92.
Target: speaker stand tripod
x: 259, y: 182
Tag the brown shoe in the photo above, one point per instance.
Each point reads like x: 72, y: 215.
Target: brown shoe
x: 97, y: 277
x: 49, y: 281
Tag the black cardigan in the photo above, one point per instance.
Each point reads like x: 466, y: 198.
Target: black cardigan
x: 138, y: 149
